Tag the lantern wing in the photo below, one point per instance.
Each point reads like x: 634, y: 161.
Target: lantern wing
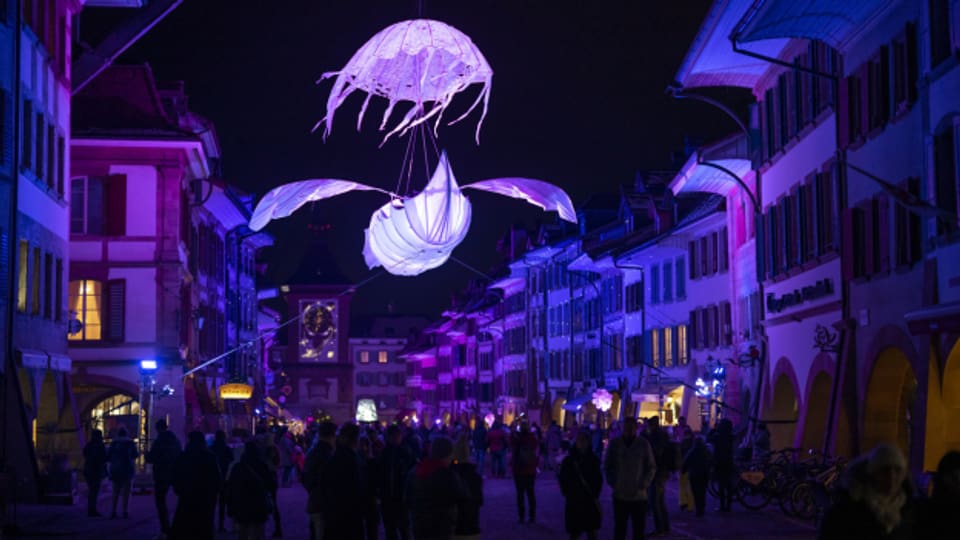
x: 543, y: 194
x: 284, y: 200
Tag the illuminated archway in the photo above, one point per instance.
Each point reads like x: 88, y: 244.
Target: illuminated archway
x: 818, y: 409
x: 114, y: 411
x: 782, y: 413
x: 891, y: 393
x: 943, y: 408
x: 559, y: 415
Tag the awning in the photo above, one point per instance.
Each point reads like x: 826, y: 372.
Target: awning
x: 576, y: 404
x: 711, y: 61
x: 59, y: 362
x: 30, y: 358
x: 937, y: 318
x: 829, y: 21
x: 650, y: 390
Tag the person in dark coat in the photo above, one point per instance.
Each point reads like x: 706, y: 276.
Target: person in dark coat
x: 371, y: 510
x: 434, y: 491
x: 120, y: 458
x: 696, y: 467
x: 314, y: 466
x: 480, y: 445
x: 663, y: 454
x: 162, y: 455
x: 394, y: 466
x: 723, y: 467
x: 224, y: 455
x: 196, y: 482
x: 937, y: 517
x: 468, y: 511
x: 580, y: 482
x: 345, y: 488
x: 525, y: 460
x: 247, y: 492
x: 876, y: 502
x: 94, y: 469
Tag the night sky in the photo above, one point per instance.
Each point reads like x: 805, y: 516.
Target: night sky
x: 577, y: 99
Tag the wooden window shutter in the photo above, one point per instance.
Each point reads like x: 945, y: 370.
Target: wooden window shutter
x: 727, y: 328
x: 843, y: 113
x: 694, y: 263
x: 115, y: 207
x: 723, y: 250
x: 848, y: 266
x: 883, y: 233
x: 714, y: 244
x: 869, y: 238
x: 694, y: 328
x: 810, y: 224
x: 913, y: 62
x: 863, y: 76
x: 115, y: 309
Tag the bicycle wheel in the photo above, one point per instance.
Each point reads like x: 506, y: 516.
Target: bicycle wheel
x: 754, y: 496
x: 802, y: 501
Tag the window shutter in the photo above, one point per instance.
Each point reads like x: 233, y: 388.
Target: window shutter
x: 723, y: 250
x: 4, y: 258
x: 771, y: 241
x: 883, y: 234
x: 843, y: 113
x: 727, y: 328
x: 863, y: 76
x: 715, y: 323
x: 681, y: 279
x: 714, y: 263
x: 869, y: 238
x: 694, y: 329
x: 912, y: 61
x: 694, y: 266
x: 115, y: 296
x: 116, y: 205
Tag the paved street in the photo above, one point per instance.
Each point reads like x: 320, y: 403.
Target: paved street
x: 498, y: 519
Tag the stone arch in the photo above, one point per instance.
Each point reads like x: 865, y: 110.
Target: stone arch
x: 943, y: 407
x: 783, y: 405
x: 891, y: 393
x: 889, y: 336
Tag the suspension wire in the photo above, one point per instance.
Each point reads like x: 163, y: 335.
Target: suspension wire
x: 284, y: 324
x: 403, y: 165
x: 472, y: 269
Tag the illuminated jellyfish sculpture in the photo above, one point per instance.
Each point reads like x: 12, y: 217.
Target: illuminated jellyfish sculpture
x: 410, y: 235
x: 421, y: 61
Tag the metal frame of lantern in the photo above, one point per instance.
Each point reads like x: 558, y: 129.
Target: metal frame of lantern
x: 236, y: 391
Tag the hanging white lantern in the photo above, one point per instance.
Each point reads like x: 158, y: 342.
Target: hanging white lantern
x: 420, y: 61
x: 410, y: 235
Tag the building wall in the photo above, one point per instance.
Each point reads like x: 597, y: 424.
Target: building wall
x: 385, y: 382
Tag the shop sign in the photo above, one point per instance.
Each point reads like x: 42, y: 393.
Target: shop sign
x: 820, y: 289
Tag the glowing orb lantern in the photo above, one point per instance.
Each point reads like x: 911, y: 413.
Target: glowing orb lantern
x: 236, y: 391
x: 489, y: 419
x: 366, y: 410
x: 410, y: 235
x: 421, y: 61
x: 602, y: 399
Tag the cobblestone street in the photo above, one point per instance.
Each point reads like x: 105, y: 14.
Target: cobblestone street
x: 498, y: 518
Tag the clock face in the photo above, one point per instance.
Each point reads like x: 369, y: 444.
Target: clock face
x: 318, y: 330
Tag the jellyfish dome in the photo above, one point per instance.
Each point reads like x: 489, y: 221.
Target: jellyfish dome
x: 410, y: 236
x: 421, y: 61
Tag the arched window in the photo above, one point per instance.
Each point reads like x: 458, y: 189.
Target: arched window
x: 86, y: 301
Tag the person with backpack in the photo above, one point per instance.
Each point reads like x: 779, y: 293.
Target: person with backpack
x: 525, y: 461
x: 120, y: 457
x: 580, y: 483
x: 249, y: 501
x: 162, y: 455
x: 629, y: 469
x: 94, y: 469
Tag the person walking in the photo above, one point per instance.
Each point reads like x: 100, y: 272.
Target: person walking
x: 94, y: 469
x: 497, y: 444
x: 162, y: 455
x: 554, y: 443
x: 271, y: 456
x: 285, y: 449
x: 629, y: 469
x: 685, y: 440
x: 196, y: 482
x: 394, y: 466
x: 434, y: 492
x: 247, y: 491
x: 877, y: 502
x: 314, y: 466
x: 480, y: 445
x: 937, y: 517
x: 525, y: 461
x: 224, y: 454
x: 723, y: 466
x: 370, y: 508
x: 696, y: 470
x: 580, y: 483
x: 345, y: 488
x: 120, y: 458
x: 468, y: 511
x: 664, y: 453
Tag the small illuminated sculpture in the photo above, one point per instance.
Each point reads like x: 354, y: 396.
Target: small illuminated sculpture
x: 410, y: 235
x: 489, y: 419
x: 602, y: 399
x: 421, y: 61
x: 366, y: 411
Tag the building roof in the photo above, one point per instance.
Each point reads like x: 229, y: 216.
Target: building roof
x: 829, y: 21
x: 318, y: 266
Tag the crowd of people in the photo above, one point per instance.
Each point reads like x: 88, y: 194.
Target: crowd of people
x: 427, y: 483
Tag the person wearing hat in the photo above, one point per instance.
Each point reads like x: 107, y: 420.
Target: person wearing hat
x: 468, y: 511
x: 877, y: 502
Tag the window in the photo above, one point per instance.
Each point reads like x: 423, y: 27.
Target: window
x: 905, y: 69
x: 634, y: 297
x: 98, y: 206
x: 382, y: 357
x: 722, y: 255
x: 41, y: 133
x: 945, y: 177
x: 683, y: 357
x: 634, y: 350
x: 668, y: 347
x: 908, y: 240
x: 667, y: 282
x: 48, y: 286
x: 58, y: 307
x: 695, y: 329
x: 35, y: 282
x: 26, y: 139
x: 85, y: 297
x: 694, y: 260
x: 655, y: 350
x: 23, y: 269
x: 681, y: 279
x: 769, y: 126
x: 826, y: 212
x: 854, y: 117
x: 940, y: 46
x: 878, y: 89
x: 3, y: 114
x: 654, y: 284
x: 364, y: 357
x: 725, y: 326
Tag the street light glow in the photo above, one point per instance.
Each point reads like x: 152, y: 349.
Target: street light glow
x: 148, y: 365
